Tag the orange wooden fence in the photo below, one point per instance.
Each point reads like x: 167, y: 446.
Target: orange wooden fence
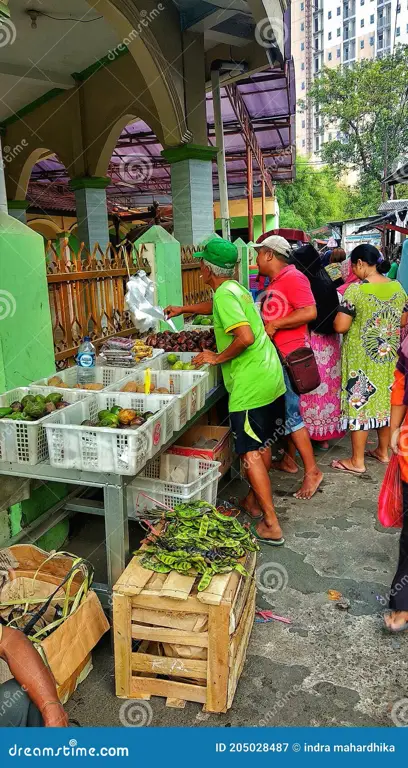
x: 194, y: 290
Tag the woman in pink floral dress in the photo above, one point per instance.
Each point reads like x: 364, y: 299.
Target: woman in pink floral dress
x: 321, y: 409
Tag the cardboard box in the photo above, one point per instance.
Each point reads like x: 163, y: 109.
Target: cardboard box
x: 67, y: 650
x: 222, y: 452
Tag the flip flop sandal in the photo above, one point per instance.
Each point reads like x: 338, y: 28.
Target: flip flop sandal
x: 402, y: 628
x: 371, y: 455
x: 341, y: 468
x: 270, y: 542
x: 245, y: 511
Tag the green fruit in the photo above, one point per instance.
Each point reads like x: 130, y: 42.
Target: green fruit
x: 172, y: 358
x: 53, y: 397
x: 5, y: 412
x: 27, y: 399
x: 177, y: 366
x: 40, y: 399
x: 111, y: 420
x: 104, y: 414
x: 189, y: 367
x: 116, y: 409
x: 35, y: 410
x: 206, y: 321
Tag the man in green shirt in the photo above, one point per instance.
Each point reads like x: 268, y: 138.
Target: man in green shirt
x: 252, y: 375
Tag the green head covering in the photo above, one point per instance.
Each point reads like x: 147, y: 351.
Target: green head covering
x: 220, y: 252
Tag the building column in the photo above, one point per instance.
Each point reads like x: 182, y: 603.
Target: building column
x: 192, y: 191
x: 18, y: 209
x: 92, y: 210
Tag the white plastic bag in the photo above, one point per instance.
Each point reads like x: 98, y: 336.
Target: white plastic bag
x: 140, y: 302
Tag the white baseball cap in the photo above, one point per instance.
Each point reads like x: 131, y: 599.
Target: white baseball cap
x: 276, y: 243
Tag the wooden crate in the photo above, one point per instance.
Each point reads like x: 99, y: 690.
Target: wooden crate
x: 147, y: 605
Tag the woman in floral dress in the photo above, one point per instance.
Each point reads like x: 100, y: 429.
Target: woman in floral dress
x: 320, y: 409
x: 370, y: 316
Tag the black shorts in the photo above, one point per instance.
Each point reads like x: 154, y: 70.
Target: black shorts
x: 267, y: 423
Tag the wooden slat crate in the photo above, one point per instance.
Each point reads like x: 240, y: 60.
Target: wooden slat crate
x: 167, y: 609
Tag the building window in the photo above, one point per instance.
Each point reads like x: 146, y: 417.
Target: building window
x: 407, y: 28
x: 302, y: 46
x: 316, y: 65
x: 302, y: 66
x: 303, y: 123
x: 338, y: 53
x: 372, y: 39
x: 329, y: 57
x: 346, y: 52
x: 362, y: 23
x: 317, y: 143
x: 329, y: 36
x: 317, y: 126
x: 361, y: 2
x: 338, y: 11
x: 361, y: 43
x: 303, y: 85
x: 398, y: 8
x: 303, y: 143
x: 372, y: 19
x: 329, y: 137
x: 329, y: 15
x: 398, y: 32
x: 338, y: 32
x: 302, y: 6
x: 302, y: 27
x: 346, y: 33
x: 380, y: 40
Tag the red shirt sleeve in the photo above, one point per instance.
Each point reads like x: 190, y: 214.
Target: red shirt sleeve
x: 301, y: 293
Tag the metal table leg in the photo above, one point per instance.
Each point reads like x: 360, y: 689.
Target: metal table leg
x: 116, y: 530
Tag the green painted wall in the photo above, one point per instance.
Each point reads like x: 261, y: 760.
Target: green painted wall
x: 26, y: 344
x: 241, y: 222
x: 166, y: 270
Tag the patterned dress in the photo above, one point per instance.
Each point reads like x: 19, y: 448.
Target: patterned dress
x: 320, y: 409
x: 369, y: 353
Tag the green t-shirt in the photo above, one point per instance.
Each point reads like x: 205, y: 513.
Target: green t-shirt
x: 255, y: 377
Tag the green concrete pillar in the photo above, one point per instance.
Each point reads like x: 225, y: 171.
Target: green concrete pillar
x: 192, y: 191
x: 163, y: 254
x: 92, y: 210
x: 18, y: 209
x: 243, y: 265
x: 26, y: 343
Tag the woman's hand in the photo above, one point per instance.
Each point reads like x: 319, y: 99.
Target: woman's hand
x: 394, y: 440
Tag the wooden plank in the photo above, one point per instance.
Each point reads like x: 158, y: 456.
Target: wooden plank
x: 168, y: 688
x: 218, y: 654
x: 177, y: 586
x: 191, y: 605
x: 239, y: 644
x: 177, y: 636
x: 155, y: 584
x: 133, y: 579
x: 212, y: 595
x: 122, y: 644
x: 176, y: 703
x: 166, y: 619
x: 167, y: 665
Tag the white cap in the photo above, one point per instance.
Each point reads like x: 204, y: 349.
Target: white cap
x: 276, y: 243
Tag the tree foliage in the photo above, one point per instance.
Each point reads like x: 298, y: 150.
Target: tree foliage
x: 367, y: 105
x: 316, y: 197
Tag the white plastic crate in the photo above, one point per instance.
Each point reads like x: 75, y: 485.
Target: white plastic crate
x: 25, y: 442
x: 103, y: 449
x: 153, y: 486
x: 214, y: 371
x: 189, y: 386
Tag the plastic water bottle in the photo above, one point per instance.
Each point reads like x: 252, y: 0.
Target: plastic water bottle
x: 86, y: 361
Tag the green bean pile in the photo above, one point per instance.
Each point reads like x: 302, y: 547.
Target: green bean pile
x: 197, y: 538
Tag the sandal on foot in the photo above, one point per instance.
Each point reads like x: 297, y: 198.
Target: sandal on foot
x: 396, y: 630
x: 337, y: 464
x: 245, y: 511
x: 372, y: 455
x: 271, y: 542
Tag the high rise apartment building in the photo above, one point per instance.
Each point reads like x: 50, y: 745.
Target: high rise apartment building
x: 334, y: 32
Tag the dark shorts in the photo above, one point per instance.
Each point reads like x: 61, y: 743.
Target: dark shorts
x: 266, y: 423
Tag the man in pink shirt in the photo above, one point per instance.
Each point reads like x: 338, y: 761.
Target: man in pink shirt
x: 287, y: 308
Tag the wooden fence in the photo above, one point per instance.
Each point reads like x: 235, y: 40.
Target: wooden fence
x: 87, y: 295
x: 193, y: 289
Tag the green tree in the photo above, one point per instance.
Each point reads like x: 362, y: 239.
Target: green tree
x: 367, y: 104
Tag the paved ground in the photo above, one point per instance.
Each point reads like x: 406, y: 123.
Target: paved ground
x: 329, y: 667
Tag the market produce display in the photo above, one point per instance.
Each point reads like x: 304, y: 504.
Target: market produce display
x: 203, y: 320
x: 125, y: 352
x: 33, y: 407
x: 134, y: 386
x: 178, y: 365
x: 196, y: 538
x: 185, y: 341
x: 56, y: 381
x: 119, y: 418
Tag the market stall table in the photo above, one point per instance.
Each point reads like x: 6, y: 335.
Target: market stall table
x: 114, y: 507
